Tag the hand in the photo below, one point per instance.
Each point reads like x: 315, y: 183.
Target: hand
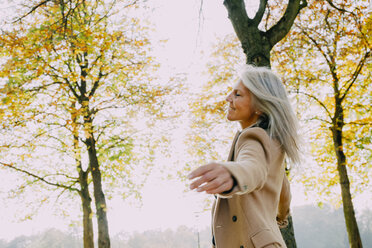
x: 213, y: 178
x: 282, y: 223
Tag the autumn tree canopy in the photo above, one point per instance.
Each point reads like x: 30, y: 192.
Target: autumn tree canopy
x: 77, y: 82
x: 336, y: 95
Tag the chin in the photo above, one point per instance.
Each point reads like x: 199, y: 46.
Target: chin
x: 230, y: 118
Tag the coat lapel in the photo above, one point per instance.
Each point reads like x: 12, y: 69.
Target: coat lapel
x: 231, y: 153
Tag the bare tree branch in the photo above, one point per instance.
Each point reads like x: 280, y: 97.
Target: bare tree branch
x: 359, y: 123
x: 338, y: 8
x: 40, y: 178
x: 96, y: 84
x: 318, y: 101
x: 32, y: 10
x: 236, y: 10
x: 319, y: 47
x: 282, y: 27
x: 356, y: 73
x: 260, y: 12
x: 318, y: 119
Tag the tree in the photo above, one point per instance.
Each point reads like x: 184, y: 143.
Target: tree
x: 75, y: 79
x: 257, y: 36
x: 331, y: 35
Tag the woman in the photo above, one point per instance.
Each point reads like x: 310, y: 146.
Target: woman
x: 251, y: 189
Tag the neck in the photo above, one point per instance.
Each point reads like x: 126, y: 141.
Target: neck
x: 245, y: 124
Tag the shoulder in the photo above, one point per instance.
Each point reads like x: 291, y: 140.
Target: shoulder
x: 254, y: 135
x: 257, y: 141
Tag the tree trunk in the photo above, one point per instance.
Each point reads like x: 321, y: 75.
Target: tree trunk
x: 87, y: 211
x: 88, y: 237
x: 254, y: 43
x: 99, y: 196
x: 349, y: 213
x: 257, y: 44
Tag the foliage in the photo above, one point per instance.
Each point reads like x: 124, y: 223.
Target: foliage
x: 57, y: 73
x: 210, y: 131
x: 335, y: 41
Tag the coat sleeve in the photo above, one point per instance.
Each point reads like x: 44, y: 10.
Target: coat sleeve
x: 250, y: 168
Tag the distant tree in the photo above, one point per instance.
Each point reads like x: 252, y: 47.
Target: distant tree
x: 21, y: 241
x: 182, y: 237
x: 325, y: 223
x: 365, y: 222
x: 54, y: 238
x: 328, y: 225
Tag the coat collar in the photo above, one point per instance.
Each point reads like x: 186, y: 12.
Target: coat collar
x: 232, y: 149
x: 231, y: 153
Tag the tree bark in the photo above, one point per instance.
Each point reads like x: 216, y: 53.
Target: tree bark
x: 86, y: 200
x: 349, y: 213
x: 90, y: 142
x: 257, y: 45
x: 88, y: 236
x: 99, y: 196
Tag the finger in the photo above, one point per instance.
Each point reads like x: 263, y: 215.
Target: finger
x: 211, y: 185
x: 222, y: 188
x: 218, y: 176
x: 200, y: 171
x: 220, y: 181
x: 207, y: 177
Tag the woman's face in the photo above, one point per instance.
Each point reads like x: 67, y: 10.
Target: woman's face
x: 240, y: 106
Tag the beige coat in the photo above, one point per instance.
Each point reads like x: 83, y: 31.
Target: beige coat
x: 246, y: 217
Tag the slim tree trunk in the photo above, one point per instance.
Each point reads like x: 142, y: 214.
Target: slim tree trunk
x: 86, y: 201
x: 349, y: 213
x: 87, y: 211
x: 99, y: 196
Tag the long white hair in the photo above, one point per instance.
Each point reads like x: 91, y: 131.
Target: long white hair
x: 269, y: 97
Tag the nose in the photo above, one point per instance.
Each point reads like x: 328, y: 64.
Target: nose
x: 229, y: 98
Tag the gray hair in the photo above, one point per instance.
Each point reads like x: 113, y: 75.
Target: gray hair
x: 269, y: 97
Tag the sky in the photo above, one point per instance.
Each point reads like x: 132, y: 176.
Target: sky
x: 166, y: 203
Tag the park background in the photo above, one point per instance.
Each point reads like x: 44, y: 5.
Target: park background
x: 185, y: 37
